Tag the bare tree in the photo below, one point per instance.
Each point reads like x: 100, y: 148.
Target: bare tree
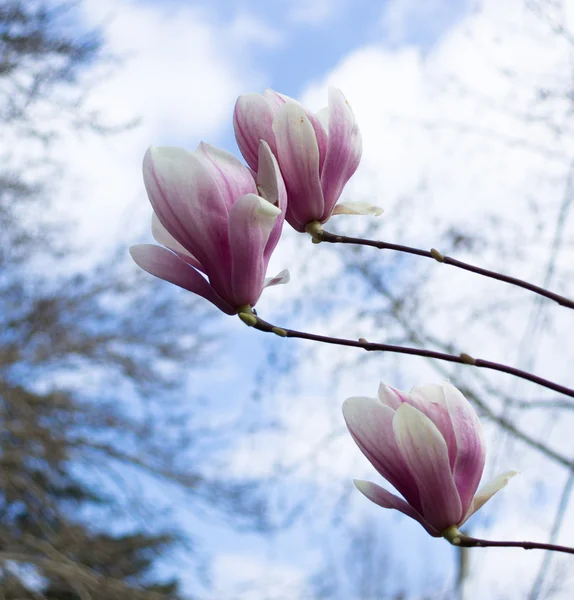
x: 91, y: 364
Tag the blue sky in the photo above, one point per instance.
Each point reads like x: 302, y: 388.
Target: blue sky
x: 425, y: 83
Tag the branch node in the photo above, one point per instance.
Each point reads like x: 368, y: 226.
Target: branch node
x: 467, y: 359
x: 248, y: 318
x: 438, y: 256
x: 315, y: 230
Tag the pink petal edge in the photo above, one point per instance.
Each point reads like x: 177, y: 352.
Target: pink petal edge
x: 375, y: 493
x: 166, y: 265
x: 425, y: 451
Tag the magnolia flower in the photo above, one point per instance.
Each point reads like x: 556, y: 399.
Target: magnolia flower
x: 317, y: 153
x: 428, y: 444
x: 218, y: 221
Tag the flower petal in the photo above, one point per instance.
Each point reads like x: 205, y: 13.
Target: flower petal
x: 371, y: 425
x: 470, y: 447
x: 298, y: 156
x: 232, y: 177
x: 375, y: 493
x: 323, y: 117
x: 190, y: 206
x: 357, y: 208
x: 271, y: 186
x: 166, y: 265
x: 252, y: 122
x: 251, y: 220
x: 344, y: 149
x: 163, y: 237
x: 275, y: 99
x: 424, y: 450
x: 430, y: 400
x: 487, y: 491
x: 321, y: 137
x: 390, y: 396
x: 279, y: 279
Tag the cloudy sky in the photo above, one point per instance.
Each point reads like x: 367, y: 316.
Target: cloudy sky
x: 448, y: 95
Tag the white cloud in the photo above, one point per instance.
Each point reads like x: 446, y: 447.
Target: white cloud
x: 247, y: 28
x: 181, y: 72
x: 441, y: 136
x: 457, y: 134
x: 243, y: 577
x: 177, y: 74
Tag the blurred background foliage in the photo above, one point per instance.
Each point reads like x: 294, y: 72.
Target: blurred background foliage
x: 97, y: 422
x: 91, y: 358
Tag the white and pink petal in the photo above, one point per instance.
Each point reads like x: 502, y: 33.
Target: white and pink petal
x: 189, y: 205
x: 487, y: 491
x: 298, y: 156
x: 271, y: 186
x: 371, y: 425
x: 162, y: 236
x: 253, y: 122
x: 375, y: 493
x: 344, y: 149
x: 251, y: 220
x: 166, y: 265
x: 232, y: 177
x: 424, y: 450
x: 470, y: 446
x: 357, y: 208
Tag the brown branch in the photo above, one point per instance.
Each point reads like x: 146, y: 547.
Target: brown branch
x: 320, y: 235
x: 456, y: 538
x: 252, y: 320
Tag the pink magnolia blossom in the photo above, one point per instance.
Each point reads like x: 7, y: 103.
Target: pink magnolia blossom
x: 218, y: 221
x: 317, y: 153
x: 428, y: 444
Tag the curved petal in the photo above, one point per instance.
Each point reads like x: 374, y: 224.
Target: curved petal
x: 375, y: 493
x: 271, y: 186
x: 292, y: 219
x: 252, y: 122
x: 320, y: 135
x: 232, y: 177
x: 487, y: 491
x: 279, y: 279
x: 390, y: 396
x: 371, y: 425
x: 166, y: 265
x: 162, y: 236
x: 428, y: 392
x: 344, y: 149
x: 357, y: 208
x: 190, y: 206
x: 424, y: 450
x: 251, y: 220
x: 298, y: 156
x: 430, y: 400
x: 323, y: 116
x: 469, y: 441
x: 275, y: 99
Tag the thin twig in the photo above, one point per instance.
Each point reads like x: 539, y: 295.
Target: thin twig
x: 558, y: 521
x: 320, y: 235
x: 456, y: 538
x: 251, y: 319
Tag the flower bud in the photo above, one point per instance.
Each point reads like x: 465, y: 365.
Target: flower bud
x: 317, y: 153
x: 218, y: 222
x: 428, y: 444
